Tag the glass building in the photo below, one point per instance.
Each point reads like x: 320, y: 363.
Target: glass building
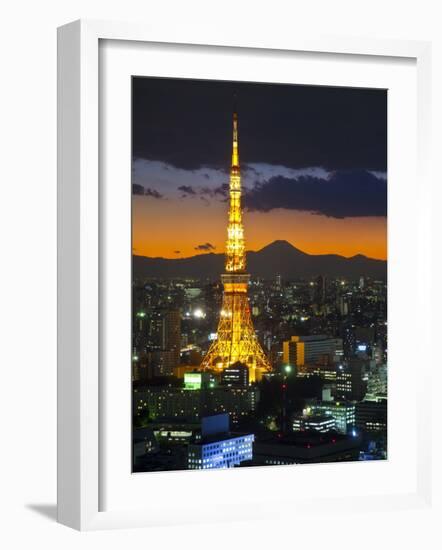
x: 342, y: 412
x: 223, y: 451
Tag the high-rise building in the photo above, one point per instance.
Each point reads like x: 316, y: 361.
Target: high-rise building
x: 342, y: 305
x: 351, y: 380
x: 164, y: 329
x: 164, y: 340
x: 278, y: 282
x: 301, y: 350
x: 320, y: 293
x: 236, y: 339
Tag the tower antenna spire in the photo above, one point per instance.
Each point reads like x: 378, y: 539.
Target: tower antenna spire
x: 235, y: 148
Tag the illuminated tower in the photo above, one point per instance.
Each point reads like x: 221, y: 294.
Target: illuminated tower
x: 236, y: 339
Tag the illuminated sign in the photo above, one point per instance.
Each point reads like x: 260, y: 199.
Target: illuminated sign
x: 192, y: 380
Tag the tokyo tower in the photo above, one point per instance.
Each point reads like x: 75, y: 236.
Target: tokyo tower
x: 236, y: 340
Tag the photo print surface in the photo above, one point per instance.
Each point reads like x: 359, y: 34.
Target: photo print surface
x: 259, y: 288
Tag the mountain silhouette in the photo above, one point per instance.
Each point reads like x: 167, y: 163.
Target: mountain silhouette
x: 279, y: 257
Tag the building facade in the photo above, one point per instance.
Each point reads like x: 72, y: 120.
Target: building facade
x: 315, y: 422
x: 218, y: 447
x: 301, y: 350
x: 223, y: 451
x: 344, y: 414
x: 192, y: 404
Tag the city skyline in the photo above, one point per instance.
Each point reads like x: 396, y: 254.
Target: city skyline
x: 292, y: 191
x: 276, y: 357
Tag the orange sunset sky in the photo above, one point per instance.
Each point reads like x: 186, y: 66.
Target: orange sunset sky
x: 163, y: 227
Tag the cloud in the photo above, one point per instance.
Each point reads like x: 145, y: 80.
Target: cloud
x: 337, y: 194
x: 203, y: 192
x: 379, y: 175
x: 153, y: 193
x: 352, y: 193
x: 187, y: 190
x: 205, y: 247
x: 214, y: 192
x: 137, y: 189
x: 146, y: 192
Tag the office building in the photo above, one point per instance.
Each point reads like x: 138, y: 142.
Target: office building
x: 318, y: 423
x: 218, y: 447
x: 351, y: 380
x: 342, y: 412
x: 301, y: 350
x: 192, y: 404
x: 371, y: 416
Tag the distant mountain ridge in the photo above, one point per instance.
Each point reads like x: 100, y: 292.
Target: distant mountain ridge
x: 279, y: 257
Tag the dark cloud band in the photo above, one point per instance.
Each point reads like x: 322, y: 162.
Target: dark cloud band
x: 344, y: 194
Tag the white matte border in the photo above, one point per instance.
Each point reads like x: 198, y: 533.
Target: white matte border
x: 224, y: 493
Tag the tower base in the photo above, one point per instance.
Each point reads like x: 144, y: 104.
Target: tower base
x: 236, y: 339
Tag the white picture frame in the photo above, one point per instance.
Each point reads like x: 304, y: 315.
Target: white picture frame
x: 80, y: 442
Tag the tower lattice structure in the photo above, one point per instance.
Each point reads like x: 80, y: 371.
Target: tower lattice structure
x: 236, y: 339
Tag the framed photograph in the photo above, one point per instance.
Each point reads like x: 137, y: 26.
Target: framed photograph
x: 239, y: 227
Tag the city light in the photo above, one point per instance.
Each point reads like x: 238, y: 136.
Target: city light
x: 199, y: 314
x: 192, y: 380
